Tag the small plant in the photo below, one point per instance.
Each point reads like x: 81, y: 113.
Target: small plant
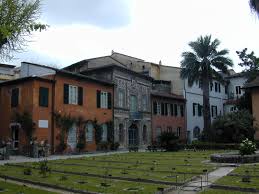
x: 27, y: 171
x: 63, y: 178
x: 247, y: 147
x: 44, y: 168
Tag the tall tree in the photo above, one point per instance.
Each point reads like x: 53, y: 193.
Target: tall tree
x: 250, y: 63
x: 254, y: 5
x: 18, y: 19
x: 203, y: 64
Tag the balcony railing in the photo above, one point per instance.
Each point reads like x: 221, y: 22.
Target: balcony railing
x: 136, y: 115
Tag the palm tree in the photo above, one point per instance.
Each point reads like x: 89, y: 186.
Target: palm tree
x: 203, y: 64
x: 254, y: 5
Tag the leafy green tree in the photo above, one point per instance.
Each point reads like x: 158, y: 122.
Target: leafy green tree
x: 169, y: 141
x: 202, y: 64
x: 17, y: 22
x: 254, y: 5
x: 234, y: 127
x: 250, y: 62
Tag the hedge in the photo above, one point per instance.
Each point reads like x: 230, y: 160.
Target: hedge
x: 211, y: 146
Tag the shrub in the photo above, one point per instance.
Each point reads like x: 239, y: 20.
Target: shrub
x: 169, y: 141
x: 27, y: 171
x: 200, y: 145
x: 233, y: 127
x: 44, y: 168
x: 247, y: 147
x: 114, y: 146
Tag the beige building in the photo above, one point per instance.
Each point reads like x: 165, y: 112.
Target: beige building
x: 7, y: 72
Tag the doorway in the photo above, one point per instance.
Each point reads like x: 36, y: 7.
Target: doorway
x: 133, y: 135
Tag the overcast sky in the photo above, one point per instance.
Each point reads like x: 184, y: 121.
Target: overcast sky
x: 152, y: 30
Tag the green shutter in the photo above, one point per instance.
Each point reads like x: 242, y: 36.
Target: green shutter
x: 193, y: 108
x: 80, y: 96
x: 175, y: 110
x: 154, y: 108
x: 98, y: 98
x: 172, y: 109
x: 66, y: 93
x: 43, y: 97
x: 109, y: 100
x: 15, y: 97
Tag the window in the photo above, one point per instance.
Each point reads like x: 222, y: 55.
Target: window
x: 214, y: 111
x: 194, y: 107
x: 121, y: 133
x: 155, y: 108
x: 73, y: 94
x: 216, y: 87
x: 121, y: 97
x: 196, y: 132
x: 158, y: 108
x: 162, y: 108
x: 144, y: 133
x: 219, y: 87
x: 211, y: 86
x: 44, y: 97
x: 178, y: 131
x: 182, y: 110
x: 133, y: 103
x: 226, y: 89
x: 238, y: 90
x: 166, y: 109
x: 169, y: 129
x: 200, y: 84
x: 144, y: 102
x: 89, y: 132
x: 158, y: 133
x: 104, y: 132
x: 104, y: 99
x: 15, y: 97
x: 169, y: 109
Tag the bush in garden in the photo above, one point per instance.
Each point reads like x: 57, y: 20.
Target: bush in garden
x: 44, y: 168
x: 247, y: 147
x: 27, y: 171
x: 169, y: 141
x: 233, y: 127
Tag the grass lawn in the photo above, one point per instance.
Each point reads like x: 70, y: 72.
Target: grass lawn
x: 252, y: 169
x: 10, y: 188
x: 171, y: 167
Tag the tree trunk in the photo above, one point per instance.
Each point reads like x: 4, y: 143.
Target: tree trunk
x: 206, y: 107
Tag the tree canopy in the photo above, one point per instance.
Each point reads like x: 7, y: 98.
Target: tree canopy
x: 205, y: 64
x: 254, y: 5
x: 18, y: 19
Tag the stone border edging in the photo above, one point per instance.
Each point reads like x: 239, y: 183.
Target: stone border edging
x: 46, y: 185
x: 112, y: 177
x: 233, y: 188
x: 234, y: 158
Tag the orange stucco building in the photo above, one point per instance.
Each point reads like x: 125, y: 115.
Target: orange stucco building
x: 63, y: 93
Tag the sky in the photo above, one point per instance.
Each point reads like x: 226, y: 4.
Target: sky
x: 152, y: 30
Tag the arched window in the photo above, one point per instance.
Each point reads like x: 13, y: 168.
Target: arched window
x: 121, y: 133
x: 196, y: 132
x: 104, y: 132
x: 89, y: 132
x: 144, y: 133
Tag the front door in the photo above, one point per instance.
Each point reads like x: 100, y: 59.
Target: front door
x: 133, y: 135
x: 15, y: 136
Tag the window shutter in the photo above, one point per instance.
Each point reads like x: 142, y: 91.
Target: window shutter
x: 155, y: 108
x: 109, y: 100
x: 193, y: 109
x: 175, y: 110
x: 182, y: 111
x: 66, y: 93
x: 98, y: 98
x: 166, y: 110
x: 219, y: 88
x: 15, y: 97
x: 212, y: 115
x: 172, y: 109
x: 162, y: 108
x: 216, y: 110
x: 80, y: 96
x: 199, y: 110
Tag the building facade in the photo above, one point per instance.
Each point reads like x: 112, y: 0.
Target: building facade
x: 132, y: 105
x: 59, y: 92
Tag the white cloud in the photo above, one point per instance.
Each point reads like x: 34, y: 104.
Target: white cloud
x: 158, y: 30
